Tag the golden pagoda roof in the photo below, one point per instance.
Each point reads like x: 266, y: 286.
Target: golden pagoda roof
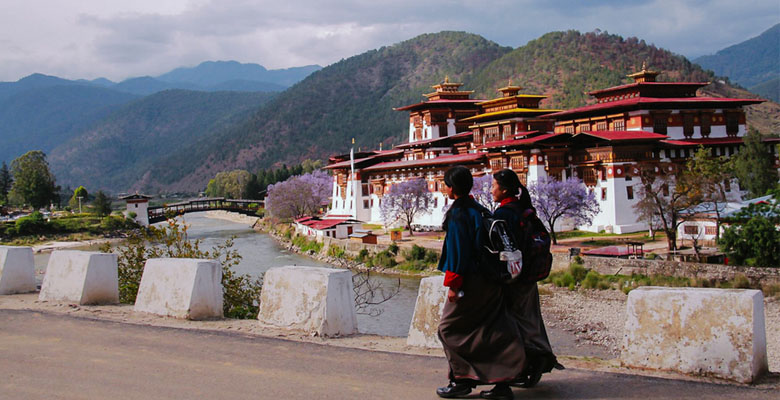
x: 512, y: 111
x: 644, y: 75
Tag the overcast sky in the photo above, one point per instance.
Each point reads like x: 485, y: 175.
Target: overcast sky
x: 120, y: 39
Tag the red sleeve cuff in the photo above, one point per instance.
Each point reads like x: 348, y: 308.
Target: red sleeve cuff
x: 452, y: 280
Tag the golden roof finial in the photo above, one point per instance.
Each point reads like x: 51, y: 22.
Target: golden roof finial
x: 353, y: 140
x: 510, y: 82
x: 446, y: 79
x: 644, y: 65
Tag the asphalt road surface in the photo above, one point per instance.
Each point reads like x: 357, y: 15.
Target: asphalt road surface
x: 51, y: 356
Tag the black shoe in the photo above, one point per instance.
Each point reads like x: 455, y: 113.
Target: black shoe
x: 500, y: 392
x: 454, y: 390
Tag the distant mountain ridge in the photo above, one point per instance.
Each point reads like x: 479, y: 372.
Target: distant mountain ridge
x: 214, y: 73
x: 176, y: 140
x: 355, y: 97
x: 754, y: 63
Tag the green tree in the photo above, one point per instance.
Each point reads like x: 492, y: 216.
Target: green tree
x: 102, y: 204
x: 710, y: 175
x: 33, y: 183
x: 753, y: 239
x: 753, y: 166
x: 74, y: 203
x: 6, y: 180
x: 231, y: 184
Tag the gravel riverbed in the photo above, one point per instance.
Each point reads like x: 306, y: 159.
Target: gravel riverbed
x: 598, y: 317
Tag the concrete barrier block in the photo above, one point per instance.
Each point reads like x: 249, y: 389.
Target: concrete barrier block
x: 17, y: 270
x: 314, y: 300
x: 708, y: 332
x: 81, y: 277
x: 181, y: 287
x: 427, y: 313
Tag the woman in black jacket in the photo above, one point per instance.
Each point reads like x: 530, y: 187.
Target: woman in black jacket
x: 523, y: 297
x: 482, y: 342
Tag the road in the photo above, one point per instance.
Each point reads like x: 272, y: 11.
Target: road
x: 53, y: 356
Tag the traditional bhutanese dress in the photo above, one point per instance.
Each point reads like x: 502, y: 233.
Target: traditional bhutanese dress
x: 523, y: 304
x: 481, y: 341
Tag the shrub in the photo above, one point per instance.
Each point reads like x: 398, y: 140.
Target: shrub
x: 382, y: 259
x: 416, y: 253
x: 393, y: 248
x: 240, y: 292
x: 591, y: 280
x: 564, y: 280
x: 30, y: 225
x: 741, y: 282
x: 577, y: 271
x: 413, y: 265
x: 362, y: 255
x: 336, y: 252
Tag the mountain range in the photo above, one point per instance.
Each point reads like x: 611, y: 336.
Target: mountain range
x: 754, y: 63
x: 176, y: 140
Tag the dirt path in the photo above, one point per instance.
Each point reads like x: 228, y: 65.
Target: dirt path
x: 55, y: 356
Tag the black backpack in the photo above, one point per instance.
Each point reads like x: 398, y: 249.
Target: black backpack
x: 510, y: 259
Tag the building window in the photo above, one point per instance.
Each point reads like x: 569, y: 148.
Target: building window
x: 569, y: 129
x: 507, y: 131
x: 583, y: 127
x: 630, y: 192
x: 727, y: 185
x: 732, y: 124
x: 706, y: 122
x: 687, y: 125
x: 435, y: 202
x: 659, y: 124
x: 601, y: 126
x: 691, y: 229
x: 619, y: 125
x: 517, y: 162
x: 603, y: 173
x: 365, y: 203
x: 665, y: 189
x: 603, y: 194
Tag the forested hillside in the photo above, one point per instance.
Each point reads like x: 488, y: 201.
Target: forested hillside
x: 45, y: 112
x: 117, y: 152
x: 752, y: 62
x: 354, y: 98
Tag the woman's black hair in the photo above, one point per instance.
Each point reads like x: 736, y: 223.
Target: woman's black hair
x: 508, y: 180
x: 459, y: 179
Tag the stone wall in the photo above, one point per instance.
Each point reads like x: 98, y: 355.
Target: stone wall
x: 611, y: 266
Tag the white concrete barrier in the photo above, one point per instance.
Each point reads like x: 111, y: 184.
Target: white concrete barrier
x: 181, y: 287
x: 17, y: 270
x: 427, y: 313
x: 708, y: 332
x: 81, y: 277
x: 314, y: 300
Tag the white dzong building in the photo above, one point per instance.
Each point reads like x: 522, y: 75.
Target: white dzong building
x: 645, y: 124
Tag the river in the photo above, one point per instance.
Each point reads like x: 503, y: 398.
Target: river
x: 260, y: 252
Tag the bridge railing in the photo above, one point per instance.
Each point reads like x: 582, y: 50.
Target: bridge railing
x: 161, y: 213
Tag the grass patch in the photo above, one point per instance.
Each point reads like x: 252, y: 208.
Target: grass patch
x: 577, y: 276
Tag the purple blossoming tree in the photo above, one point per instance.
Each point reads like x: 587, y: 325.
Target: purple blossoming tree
x: 299, y: 195
x: 481, y: 192
x: 554, y: 199
x: 405, y: 201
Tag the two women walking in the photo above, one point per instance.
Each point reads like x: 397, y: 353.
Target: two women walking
x: 492, y: 333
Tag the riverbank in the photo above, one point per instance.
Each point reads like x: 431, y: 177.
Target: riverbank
x: 284, y: 237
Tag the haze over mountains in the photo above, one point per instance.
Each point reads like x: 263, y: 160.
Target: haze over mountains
x: 754, y: 63
x: 175, y: 140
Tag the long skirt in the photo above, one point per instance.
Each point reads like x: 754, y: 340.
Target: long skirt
x: 481, y: 341
x: 523, y: 304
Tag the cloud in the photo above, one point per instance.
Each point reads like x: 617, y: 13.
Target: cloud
x: 94, y: 38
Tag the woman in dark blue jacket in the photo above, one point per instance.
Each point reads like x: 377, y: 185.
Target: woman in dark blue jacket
x: 523, y: 297
x: 482, y: 342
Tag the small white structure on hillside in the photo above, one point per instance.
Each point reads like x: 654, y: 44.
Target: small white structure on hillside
x: 138, y: 204
x: 333, y: 226
x: 701, y: 223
